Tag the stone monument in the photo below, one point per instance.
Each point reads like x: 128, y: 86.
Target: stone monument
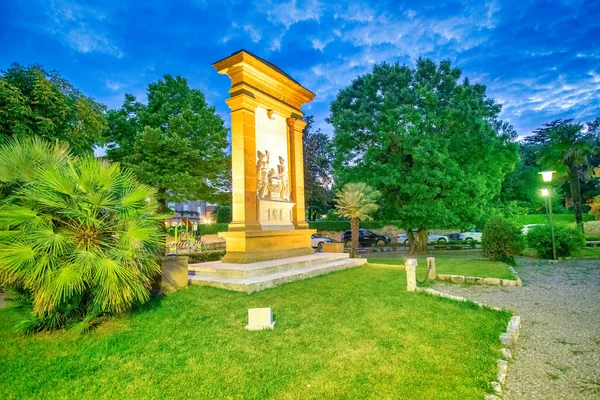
x: 268, y: 215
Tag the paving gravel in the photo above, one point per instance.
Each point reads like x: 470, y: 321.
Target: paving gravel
x: 558, y: 353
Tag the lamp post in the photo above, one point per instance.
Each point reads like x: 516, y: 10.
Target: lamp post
x: 547, y: 194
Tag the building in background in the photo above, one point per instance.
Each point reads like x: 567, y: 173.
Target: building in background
x: 193, y: 211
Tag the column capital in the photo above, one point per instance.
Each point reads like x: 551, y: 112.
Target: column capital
x: 242, y: 100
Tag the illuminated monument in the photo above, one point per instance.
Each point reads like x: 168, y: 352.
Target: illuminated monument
x: 267, y: 162
x: 268, y: 240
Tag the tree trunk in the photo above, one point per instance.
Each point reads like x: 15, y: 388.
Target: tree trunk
x: 412, y: 241
x: 162, y: 202
x: 354, y: 245
x: 575, y: 186
x: 422, y: 241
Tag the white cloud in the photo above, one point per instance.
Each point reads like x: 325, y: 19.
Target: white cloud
x: 114, y: 86
x: 80, y: 27
x: 292, y: 12
x: 255, y: 35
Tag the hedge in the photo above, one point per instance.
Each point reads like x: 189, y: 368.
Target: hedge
x: 203, y: 229
x: 340, y: 226
x: 543, y: 219
x: 205, y: 256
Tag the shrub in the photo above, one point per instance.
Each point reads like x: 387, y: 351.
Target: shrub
x: 568, y: 240
x: 79, y: 237
x: 224, y: 215
x: 543, y: 218
x: 205, y: 256
x: 501, y: 239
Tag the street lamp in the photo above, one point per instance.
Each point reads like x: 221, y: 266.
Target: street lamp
x: 547, y: 194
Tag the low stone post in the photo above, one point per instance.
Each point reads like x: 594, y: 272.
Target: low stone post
x: 411, y: 274
x: 431, y: 265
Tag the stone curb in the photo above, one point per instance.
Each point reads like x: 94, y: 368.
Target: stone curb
x: 517, y: 277
x: 476, y: 280
x: 508, y: 340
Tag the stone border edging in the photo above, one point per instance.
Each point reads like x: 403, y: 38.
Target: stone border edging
x: 476, y: 280
x: 508, y: 340
x: 517, y: 277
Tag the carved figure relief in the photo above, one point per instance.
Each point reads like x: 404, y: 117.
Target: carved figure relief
x: 272, y: 184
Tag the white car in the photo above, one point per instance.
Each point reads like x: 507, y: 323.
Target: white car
x: 432, y: 238
x: 316, y: 241
x: 526, y: 228
x: 470, y: 235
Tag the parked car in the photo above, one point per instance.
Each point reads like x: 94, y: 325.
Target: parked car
x: 526, y: 228
x: 366, y: 238
x: 470, y: 235
x: 432, y: 238
x: 317, y: 241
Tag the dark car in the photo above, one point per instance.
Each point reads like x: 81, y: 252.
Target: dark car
x: 366, y: 238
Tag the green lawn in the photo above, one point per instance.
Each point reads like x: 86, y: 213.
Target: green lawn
x: 346, y: 335
x: 452, y: 262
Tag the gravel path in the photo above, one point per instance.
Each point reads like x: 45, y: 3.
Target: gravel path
x: 558, y: 354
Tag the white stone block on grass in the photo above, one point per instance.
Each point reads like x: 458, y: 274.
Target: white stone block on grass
x: 259, y: 319
x: 457, y: 279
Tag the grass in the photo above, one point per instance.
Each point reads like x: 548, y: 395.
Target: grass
x: 350, y: 334
x: 452, y: 262
x: 586, y: 253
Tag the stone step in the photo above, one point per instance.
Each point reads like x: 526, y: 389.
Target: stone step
x: 257, y: 283
x: 241, y: 271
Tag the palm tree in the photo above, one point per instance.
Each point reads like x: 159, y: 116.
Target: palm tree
x: 78, y: 236
x: 356, y: 201
x: 565, y: 146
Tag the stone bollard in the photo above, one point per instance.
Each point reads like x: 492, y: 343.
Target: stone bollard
x: 411, y: 274
x: 431, y: 265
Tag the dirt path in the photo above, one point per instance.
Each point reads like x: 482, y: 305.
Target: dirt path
x: 558, y: 354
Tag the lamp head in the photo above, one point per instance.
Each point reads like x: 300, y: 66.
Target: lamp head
x: 545, y: 192
x: 547, y: 175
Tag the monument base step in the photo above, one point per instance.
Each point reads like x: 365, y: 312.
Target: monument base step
x: 259, y: 276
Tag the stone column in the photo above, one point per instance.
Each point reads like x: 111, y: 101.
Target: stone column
x: 295, y: 126
x: 411, y: 275
x: 431, y: 266
x: 243, y: 163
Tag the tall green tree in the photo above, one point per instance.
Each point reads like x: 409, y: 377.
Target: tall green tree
x: 176, y: 142
x: 318, y: 172
x: 356, y: 201
x: 36, y: 102
x: 431, y: 144
x: 566, y: 147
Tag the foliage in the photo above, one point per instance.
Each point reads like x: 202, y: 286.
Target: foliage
x: 193, y: 345
x: 36, y: 102
x: 356, y: 201
x: 501, y: 239
x: 202, y: 229
x: 224, y: 215
x: 568, y: 240
x: 317, y: 170
x: 431, y: 144
x: 566, y: 147
x: 79, y: 235
x: 595, y: 204
x: 175, y: 143
x: 205, y: 256
x: 543, y: 219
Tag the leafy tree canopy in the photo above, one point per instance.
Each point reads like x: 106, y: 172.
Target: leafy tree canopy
x: 36, y: 102
x: 175, y: 143
x: 431, y: 144
x: 318, y: 173
x: 567, y: 147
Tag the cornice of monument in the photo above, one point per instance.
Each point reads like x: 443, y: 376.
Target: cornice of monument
x: 251, y: 73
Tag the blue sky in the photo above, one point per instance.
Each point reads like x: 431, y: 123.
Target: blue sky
x: 540, y: 59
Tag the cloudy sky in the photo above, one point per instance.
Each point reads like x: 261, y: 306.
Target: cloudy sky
x: 540, y: 59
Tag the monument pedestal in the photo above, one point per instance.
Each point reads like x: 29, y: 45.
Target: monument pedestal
x: 254, y: 246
